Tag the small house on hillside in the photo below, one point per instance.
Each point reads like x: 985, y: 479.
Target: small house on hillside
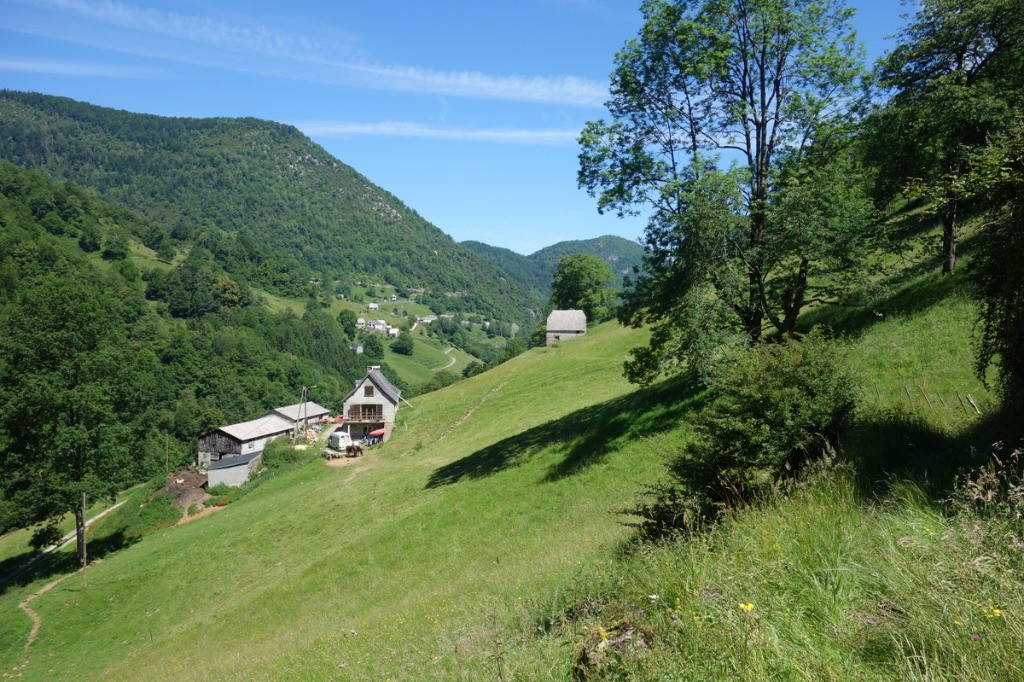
x: 565, y: 324
x: 371, y: 406
x: 242, y: 439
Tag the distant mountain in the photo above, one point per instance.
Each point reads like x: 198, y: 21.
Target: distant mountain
x: 536, y: 271
x: 274, y: 209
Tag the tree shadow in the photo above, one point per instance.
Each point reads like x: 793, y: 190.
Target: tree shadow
x: 58, y: 563
x: 913, y: 290
x: 899, y: 446
x: 585, y: 437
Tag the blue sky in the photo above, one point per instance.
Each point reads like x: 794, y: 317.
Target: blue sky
x: 467, y: 111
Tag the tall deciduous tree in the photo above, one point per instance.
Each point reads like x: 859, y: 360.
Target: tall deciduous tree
x: 68, y: 407
x: 948, y: 97
x: 769, y: 84
x: 581, y: 283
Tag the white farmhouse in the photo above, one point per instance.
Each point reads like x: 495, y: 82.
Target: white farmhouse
x: 370, y: 408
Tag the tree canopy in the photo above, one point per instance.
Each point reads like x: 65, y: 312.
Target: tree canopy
x: 773, y: 89
x: 946, y: 78
x: 70, y: 397
x: 581, y: 283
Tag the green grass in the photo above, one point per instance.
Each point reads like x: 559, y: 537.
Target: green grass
x: 429, y: 357
x: 493, y: 495
x: 818, y: 585
x: 483, y: 541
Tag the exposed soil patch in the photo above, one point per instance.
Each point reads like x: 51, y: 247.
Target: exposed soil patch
x: 204, y: 511
x: 188, y: 488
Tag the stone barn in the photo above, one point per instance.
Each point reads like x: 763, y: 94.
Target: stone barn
x: 563, y: 325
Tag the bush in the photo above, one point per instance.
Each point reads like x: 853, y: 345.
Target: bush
x: 280, y: 452
x: 221, y: 495
x: 776, y: 407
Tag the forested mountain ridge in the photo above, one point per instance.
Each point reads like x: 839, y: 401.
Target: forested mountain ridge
x: 273, y: 208
x: 536, y: 271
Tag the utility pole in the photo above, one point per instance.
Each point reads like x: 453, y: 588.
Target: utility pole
x: 85, y: 558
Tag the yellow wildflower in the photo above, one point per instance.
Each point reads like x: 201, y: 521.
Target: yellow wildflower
x: 746, y: 606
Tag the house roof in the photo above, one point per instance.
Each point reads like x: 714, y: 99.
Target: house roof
x: 295, y: 412
x: 375, y: 376
x: 267, y: 425
x: 237, y: 460
x: 567, y: 321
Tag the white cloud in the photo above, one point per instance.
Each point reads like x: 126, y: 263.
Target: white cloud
x: 54, y: 68
x: 406, y: 129
x: 310, y: 60
x: 559, y: 90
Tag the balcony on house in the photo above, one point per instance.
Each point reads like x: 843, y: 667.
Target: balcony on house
x: 365, y: 413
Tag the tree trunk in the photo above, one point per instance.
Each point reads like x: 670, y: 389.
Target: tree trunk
x: 793, y: 300
x: 949, y: 227
x: 80, y: 534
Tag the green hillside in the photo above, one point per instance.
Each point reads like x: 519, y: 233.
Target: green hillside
x: 536, y: 271
x: 273, y: 208
x: 483, y: 541
x: 492, y: 494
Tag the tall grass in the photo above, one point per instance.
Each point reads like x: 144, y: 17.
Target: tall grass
x: 816, y: 585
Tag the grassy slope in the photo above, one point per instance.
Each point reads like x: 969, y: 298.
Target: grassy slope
x: 436, y: 555
x: 495, y: 494
x: 844, y: 579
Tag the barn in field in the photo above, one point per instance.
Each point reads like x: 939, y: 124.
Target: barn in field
x: 565, y: 324
x: 245, y: 438
x: 231, y: 453
x: 233, y: 471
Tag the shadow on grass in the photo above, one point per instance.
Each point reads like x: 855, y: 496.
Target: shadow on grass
x: 901, y: 446
x: 58, y: 563
x: 913, y: 290
x: 585, y: 437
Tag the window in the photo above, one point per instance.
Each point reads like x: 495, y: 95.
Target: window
x: 368, y: 391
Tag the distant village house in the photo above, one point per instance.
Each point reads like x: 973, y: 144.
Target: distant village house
x: 563, y: 325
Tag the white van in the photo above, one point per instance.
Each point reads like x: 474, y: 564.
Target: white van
x: 339, y: 440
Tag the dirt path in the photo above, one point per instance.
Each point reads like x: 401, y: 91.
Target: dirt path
x: 37, y: 621
x: 63, y: 542
x: 451, y: 361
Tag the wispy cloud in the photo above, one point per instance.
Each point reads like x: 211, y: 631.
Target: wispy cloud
x: 54, y: 68
x: 312, y: 60
x: 405, y: 129
x: 557, y: 90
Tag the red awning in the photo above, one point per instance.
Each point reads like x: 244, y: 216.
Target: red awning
x: 378, y: 432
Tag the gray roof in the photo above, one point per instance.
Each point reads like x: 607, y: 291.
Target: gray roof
x: 237, y: 460
x: 381, y: 382
x: 295, y: 413
x: 567, y: 321
x: 267, y: 425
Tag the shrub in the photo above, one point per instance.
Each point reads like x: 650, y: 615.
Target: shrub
x: 776, y: 407
x: 220, y: 495
x: 279, y: 452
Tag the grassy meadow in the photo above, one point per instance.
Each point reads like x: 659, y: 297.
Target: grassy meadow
x: 416, y: 561
x: 484, y: 541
